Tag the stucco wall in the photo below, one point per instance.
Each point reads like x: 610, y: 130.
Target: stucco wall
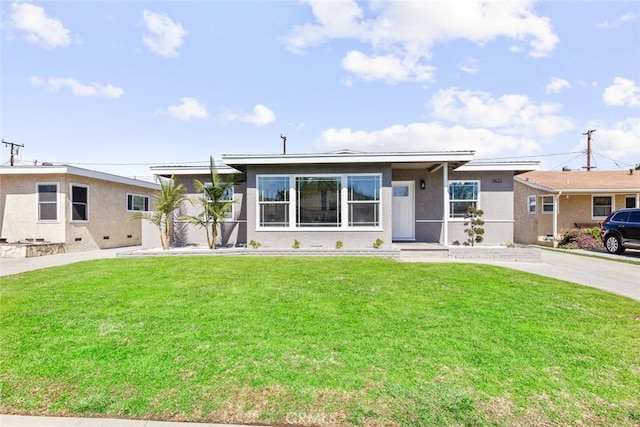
x: 107, y: 225
x: 325, y: 237
x: 231, y: 232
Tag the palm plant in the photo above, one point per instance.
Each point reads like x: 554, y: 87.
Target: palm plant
x: 168, y: 199
x: 214, y: 202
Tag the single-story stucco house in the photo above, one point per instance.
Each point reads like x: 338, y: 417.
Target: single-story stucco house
x: 356, y: 198
x: 547, y: 203
x: 81, y: 208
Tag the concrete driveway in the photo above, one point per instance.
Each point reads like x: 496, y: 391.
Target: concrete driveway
x: 598, y: 270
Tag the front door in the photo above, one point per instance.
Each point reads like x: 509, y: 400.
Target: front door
x: 403, y: 211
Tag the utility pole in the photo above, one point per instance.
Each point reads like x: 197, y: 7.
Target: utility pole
x: 588, y: 133
x: 14, y: 149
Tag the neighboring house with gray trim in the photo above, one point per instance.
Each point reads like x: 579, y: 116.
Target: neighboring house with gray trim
x: 82, y: 208
x: 356, y: 198
x: 547, y: 203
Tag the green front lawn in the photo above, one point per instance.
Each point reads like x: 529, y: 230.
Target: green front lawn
x: 316, y: 342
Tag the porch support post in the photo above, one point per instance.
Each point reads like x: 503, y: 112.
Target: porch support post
x: 445, y: 208
x: 556, y: 204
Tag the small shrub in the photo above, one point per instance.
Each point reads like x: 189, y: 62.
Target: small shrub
x: 378, y: 243
x: 296, y: 244
x: 474, y: 222
x: 254, y: 244
x: 581, y: 238
x: 338, y: 244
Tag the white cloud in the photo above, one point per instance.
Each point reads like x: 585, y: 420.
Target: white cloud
x: 433, y: 136
x: 39, y: 28
x: 405, y: 32
x: 77, y: 88
x: 512, y: 114
x: 261, y: 116
x: 387, y: 67
x: 622, y: 92
x: 189, y: 108
x: 469, y: 66
x: 627, y: 17
x: 556, y: 85
x: 164, y: 37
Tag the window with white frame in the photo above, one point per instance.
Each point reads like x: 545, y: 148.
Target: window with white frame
x: 319, y: 201
x: 363, y: 200
x: 531, y: 204
x: 227, y: 196
x: 462, y: 195
x: 137, y: 203
x: 602, y: 206
x: 273, y: 201
x: 79, y: 202
x: 547, y: 204
x: 47, y: 201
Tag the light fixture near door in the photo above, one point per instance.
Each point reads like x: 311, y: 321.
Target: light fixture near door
x: 423, y: 185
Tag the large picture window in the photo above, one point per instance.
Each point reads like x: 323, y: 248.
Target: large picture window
x: 273, y: 201
x: 602, y: 206
x: 137, y: 203
x: 319, y: 201
x: 79, y: 203
x: 363, y: 201
x: 462, y: 195
x: 47, y: 202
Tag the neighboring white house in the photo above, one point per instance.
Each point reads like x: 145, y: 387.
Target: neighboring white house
x: 84, y: 209
x: 357, y: 198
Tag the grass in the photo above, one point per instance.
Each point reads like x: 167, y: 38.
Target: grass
x: 347, y: 341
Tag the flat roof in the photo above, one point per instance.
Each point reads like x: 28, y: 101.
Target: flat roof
x: 73, y: 170
x: 240, y: 161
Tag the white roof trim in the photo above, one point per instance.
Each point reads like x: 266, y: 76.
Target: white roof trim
x: 347, y: 157
x: 169, y: 170
x: 72, y: 170
x: 499, y: 166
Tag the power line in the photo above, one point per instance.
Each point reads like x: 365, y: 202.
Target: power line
x: 532, y: 156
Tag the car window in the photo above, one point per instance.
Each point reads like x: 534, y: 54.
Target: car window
x: 620, y: 217
x: 634, y: 216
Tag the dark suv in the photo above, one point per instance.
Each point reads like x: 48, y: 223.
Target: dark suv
x: 621, y: 230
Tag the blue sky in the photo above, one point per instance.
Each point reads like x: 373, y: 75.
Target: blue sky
x: 120, y: 85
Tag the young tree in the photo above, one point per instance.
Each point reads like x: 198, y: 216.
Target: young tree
x: 474, y: 222
x: 168, y: 199
x: 214, y: 202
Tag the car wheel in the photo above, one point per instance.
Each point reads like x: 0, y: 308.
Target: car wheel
x: 613, y: 244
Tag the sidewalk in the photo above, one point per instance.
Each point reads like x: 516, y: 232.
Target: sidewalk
x: 28, y: 421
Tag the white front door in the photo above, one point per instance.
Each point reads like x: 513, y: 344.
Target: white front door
x: 403, y: 211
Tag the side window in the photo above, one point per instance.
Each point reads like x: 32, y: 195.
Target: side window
x: 547, y: 204
x: 47, y: 201
x: 634, y: 216
x: 79, y: 203
x: 531, y: 204
x: 136, y: 203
